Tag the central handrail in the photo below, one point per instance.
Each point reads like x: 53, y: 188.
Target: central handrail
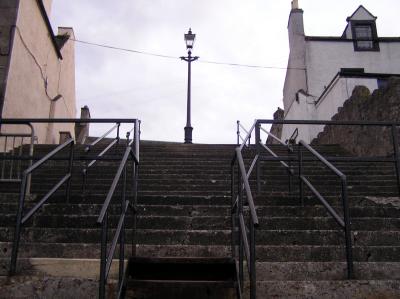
x: 247, y: 248
x: 23, y: 191
x: 105, y: 150
x: 106, y: 256
x: 343, y: 223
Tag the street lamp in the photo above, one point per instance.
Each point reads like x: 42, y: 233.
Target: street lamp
x: 189, y: 40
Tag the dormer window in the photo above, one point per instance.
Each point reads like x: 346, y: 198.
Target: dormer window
x: 365, y: 36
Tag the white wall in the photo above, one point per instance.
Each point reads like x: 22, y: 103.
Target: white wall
x: 303, y: 109
x: 325, y: 59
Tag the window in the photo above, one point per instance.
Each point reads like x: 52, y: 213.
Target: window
x: 365, y: 37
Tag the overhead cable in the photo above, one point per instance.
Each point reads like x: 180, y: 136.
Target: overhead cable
x: 178, y: 58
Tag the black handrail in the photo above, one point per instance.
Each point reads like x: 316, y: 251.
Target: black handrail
x: 246, y: 249
x: 106, y: 257
x: 269, y: 150
x: 343, y: 223
x: 21, y: 220
x: 105, y: 150
x: 30, y: 135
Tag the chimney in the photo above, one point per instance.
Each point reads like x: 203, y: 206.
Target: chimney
x: 295, y: 24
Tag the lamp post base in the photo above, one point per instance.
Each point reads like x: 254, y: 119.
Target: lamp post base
x: 188, y: 134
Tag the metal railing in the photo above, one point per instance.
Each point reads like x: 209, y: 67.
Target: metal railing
x: 101, y: 154
x: 12, y: 155
x: 288, y: 166
x: 392, y: 126
x: 25, y: 181
x: 239, y: 137
x: 106, y: 257
x: 22, y: 219
x: 343, y: 223
x: 246, y: 248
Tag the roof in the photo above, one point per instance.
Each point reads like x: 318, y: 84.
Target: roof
x: 357, y: 10
x: 49, y: 29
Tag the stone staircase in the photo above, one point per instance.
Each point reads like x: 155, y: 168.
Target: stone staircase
x: 184, y: 216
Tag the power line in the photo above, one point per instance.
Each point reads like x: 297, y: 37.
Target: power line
x: 178, y: 58
x: 125, y: 49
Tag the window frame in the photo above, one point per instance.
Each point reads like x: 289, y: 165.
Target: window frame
x: 374, y: 39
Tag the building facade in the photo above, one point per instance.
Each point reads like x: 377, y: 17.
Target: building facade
x: 37, y: 68
x: 323, y: 70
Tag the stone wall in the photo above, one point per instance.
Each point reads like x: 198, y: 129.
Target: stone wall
x: 382, y: 105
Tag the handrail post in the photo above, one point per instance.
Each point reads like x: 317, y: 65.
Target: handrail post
x: 253, y: 280
x: 31, y: 146
x: 122, y: 234
x: 290, y: 172
x: 17, y: 232
x: 347, y: 231
x: 70, y: 165
x: 395, y: 141
x: 239, y: 213
x: 232, y: 213
x: 103, y: 258
x: 238, y: 132
x: 301, y: 191
x: 119, y: 124
x: 257, y: 142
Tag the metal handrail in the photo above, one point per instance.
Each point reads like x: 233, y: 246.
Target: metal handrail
x: 293, y: 137
x: 343, y: 223
x: 269, y: 150
x: 89, y: 146
x: 273, y: 136
x: 106, y: 257
x: 247, y: 249
x: 30, y: 135
x: 248, y: 136
x: 23, y: 191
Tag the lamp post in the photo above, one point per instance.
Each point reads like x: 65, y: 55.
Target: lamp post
x: 189, y: 40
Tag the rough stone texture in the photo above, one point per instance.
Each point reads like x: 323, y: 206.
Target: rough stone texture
x: 276, y: 129
x: 51, y: 287
x: 365, y: 289
x: 393, y: 201
x: 382, y: 105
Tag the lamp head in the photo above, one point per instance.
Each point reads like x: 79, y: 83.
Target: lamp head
x: 189, y: 39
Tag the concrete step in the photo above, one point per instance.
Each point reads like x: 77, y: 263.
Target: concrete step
x: 191, y: 222
x: 328, y: 289
x: 264, y: 253
x: 207, y: 237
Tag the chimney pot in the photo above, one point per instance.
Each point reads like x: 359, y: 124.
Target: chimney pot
x: 295, y: 4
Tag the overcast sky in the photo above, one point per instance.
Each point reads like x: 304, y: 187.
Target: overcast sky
x: 117, y: 84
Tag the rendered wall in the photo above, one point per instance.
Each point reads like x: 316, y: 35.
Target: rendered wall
x: 8, y: 16
x: 324, y: 60
x: 37, y: 75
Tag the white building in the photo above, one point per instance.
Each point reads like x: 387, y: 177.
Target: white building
x: 323, y: 71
